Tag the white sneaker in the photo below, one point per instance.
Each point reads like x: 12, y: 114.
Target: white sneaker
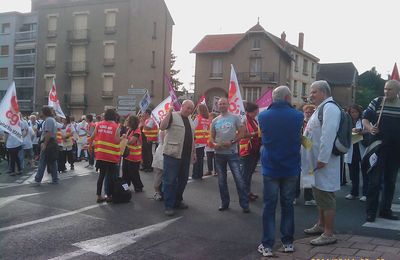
x: 351, y: 197
x: 265, y: 251
x: 310, y: 203
x: 363, y: 198
x: 288, y: 248
x: 157, y: 196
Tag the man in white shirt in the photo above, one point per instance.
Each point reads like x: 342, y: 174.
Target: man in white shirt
x: 82, y: 138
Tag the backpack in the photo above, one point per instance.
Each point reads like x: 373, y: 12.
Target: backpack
x: 342, y: 142
x: 121, y: 191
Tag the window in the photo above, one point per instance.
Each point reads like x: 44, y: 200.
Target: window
x: 313, y: 72
x: 24, y: 72
x: 24, y: 93
x: 3, y: 73
x: 154, y: 30
x: 108, y: 80
x: 50, y: 55
x: 111, y: 20
x: 5, y: 28
x: 252, y: 94
x: 4, y: 50
x: 109, y: 49
x: 296, y: 62
x: 153, y: 59
x: 304, y: 90
x: 255, y: 66
x: 48, y: 78
x: 52, y: 26
x: 295, y: 88
x: 256, y: 44
x: 29, y: 27
x: 305, y: 67
x: 77, y: 87
x: 216, y: 68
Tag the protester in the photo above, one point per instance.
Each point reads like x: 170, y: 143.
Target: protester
x: 387, y: 164
x: 210, y: 152
x: 353, y: 156
x: 226, y: 131
x: 131, y: 163
x: 324, y: 165
x: 201, y: 137
x: 89, y: 131
x: 281, y: 127
x: 34, y: 124
x: 82, y: 140
x: 178, y: 153
x: 14, y: 146
x: 158, y: 168
x: 150, y: 133
x: 60, y: 137
x: 27, y: 145
x: 47, y: 139
x: 107, y: 152
x: 250, y: 148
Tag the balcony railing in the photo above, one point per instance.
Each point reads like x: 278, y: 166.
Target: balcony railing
x: 24, y: 82
x: 24, y: 58
x: 110, y: 29
x: 50, y: 63
x: 216, y: 75
x: 107, y: 94
x: 51, y: 33
x: 77, y: 67
x: 257, y: 77
x: 78, y: 36
x: 109, y: 62
x: 76, y: 100
x: 25, y: 36
x: 25, y: 105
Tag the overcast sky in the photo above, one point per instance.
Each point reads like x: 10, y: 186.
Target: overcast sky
x: 364, y: 32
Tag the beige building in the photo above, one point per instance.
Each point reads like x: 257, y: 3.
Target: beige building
x: 97, y: 49
x: 261, y: 61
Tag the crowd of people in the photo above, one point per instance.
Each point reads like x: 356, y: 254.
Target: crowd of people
x: 295, y: 150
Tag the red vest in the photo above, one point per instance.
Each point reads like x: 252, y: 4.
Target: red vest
x: 59, y: 137
x: 202, y: 130
x: 151, y: 134
x: 135, y: 149
x: 244, y: 143
x: 105, y: 148
x: 88, y: 127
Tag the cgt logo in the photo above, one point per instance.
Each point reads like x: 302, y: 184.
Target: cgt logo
x: 13, y: 113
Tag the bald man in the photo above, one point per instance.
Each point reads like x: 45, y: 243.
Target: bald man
x: 178, y: 154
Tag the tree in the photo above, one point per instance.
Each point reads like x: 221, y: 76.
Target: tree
x: 370, y: 86
x: 173, y: 72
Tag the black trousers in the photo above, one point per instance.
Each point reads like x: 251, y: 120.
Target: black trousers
x: 147, y: 153
x: 130, y: 174
x: 388, y: 166
x: 110, y: 169
x: 14, y: 158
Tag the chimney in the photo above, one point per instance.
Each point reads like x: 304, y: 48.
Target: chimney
x: 283, y: 39
x: 301, y: 40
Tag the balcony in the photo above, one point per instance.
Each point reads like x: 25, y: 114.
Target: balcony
x: 50, y: 64
x: 51, y: 33
x: 257, y: 77
x: 107, y: 94
x: 77, y: 68
x: 22, y: 59
x: 24, y: 82
x: 25, y: 105
x: 78, y: 37
x: 25, y: 36
x: 215, y: 75
x: 76, y: 100
x: 108, y: 62
x: 110, y: 30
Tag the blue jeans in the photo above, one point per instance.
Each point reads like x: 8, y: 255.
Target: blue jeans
x: 248, y: 166
x: 221, y: 161
x: 286, y: 188
x: 42, y: 166
x: 175, y: 177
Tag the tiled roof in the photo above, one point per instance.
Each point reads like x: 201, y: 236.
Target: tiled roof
x: 256, y: 28
x: 338, y: 73
x: 217, y: 43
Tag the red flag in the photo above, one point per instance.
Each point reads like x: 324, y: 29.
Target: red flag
x: 175, y: 101
x: 395, y: 73
x: 202, y: 100
x: 236, y: 106
x: 265, y: 100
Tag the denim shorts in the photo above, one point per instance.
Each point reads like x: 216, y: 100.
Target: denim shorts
x: 325, y: 199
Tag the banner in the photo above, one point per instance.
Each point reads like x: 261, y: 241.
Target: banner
x: 54, y: 102
x: 175, y: 101
x: 9, y: 113
x: 235, y: 100
x: 265, y: 100
x: 145, y: 102
x: 161, y: 111
x: 215, y: 105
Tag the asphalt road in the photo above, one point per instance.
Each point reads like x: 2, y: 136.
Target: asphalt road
x: 64, y: 221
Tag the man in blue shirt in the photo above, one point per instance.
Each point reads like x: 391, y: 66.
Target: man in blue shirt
x: 281, y: 127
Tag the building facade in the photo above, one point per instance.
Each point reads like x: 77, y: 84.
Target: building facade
x: 95, y: 50
x: 261, y: 61
x: 18, y: 36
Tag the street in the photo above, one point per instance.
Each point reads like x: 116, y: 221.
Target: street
x: 64, y: 221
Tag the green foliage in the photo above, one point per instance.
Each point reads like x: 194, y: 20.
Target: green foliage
x: 370, y: 86
x: 173, y: 73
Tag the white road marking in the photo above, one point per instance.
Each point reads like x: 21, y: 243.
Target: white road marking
x: 7, y: 200
x: 42, y: 220
x: 109, y: 244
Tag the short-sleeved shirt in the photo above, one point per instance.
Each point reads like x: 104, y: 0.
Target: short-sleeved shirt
x: 49, y: 125
x: 225, y: 128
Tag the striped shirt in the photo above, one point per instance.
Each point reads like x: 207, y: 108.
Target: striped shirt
x: 389, y: 125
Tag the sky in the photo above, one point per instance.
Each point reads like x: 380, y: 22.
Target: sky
x: 365, y: 32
